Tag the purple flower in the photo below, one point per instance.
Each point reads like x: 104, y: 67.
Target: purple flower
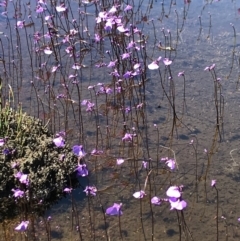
x: 121, y: 29
x: 82, y: 170
x: 139, y: 194
x: 17, y: 193
x: 120, y: 161
x: 90, y: 190
x: 127, y: 109
x: 127, y: 137
x: 144, y: 164
x: 127, y: 8
x: 177, y: 203
x: 115, y: 73
x: 20, y: 24
x: 181, y: 74
x: 212, y: 67
x: 171, y: 164
x: 78, y: 151
x: 67, y: 190
x: 114, y: 210
x: 39, y: 9
x: 154, y: 65
x: 2, y: 142
x: 112, y: 63
x: 167, y: 61
x: 59, y: 141
x: 47, y: 51
x: 23, y: 178
x: 156, y: 200
x: 174, y: 191
x: 97, y: 38
x: 61, y: 8
x: 213, y: 183
x: 95, y: 152
x: 22, y: 226
x: 126, y: 55
x: 127, y: 75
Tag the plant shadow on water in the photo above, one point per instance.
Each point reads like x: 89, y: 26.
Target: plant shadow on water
x: 138, y: 108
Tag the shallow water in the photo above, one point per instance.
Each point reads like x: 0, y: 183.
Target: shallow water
x: 197, y: 44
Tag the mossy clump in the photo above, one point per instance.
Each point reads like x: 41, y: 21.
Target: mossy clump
x: 29, y: 149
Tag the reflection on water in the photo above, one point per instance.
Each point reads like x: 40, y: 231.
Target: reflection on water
x: 167, y: 115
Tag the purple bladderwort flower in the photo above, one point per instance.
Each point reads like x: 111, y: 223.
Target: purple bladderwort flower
x: 90, y: 106
x: 121, y: 29
x: 76, y: 66
x: 20, y: 24
x: 59, y: 141
x: 97, y: 38
x: 181, y: 74
x: 126, y: 55
x: 90, y: 190
x: 112, y: 10
x: 131, y: 44
x: 67, y: 190
x: 127, y: 75
x: 171, y: 163
x: 95, y: 152
x: 54, y: 68
x: 71, y: 76
x: 114, y: 210
x: 36, y: 37
x: 144, y: 164
x: 82, y: 170
x: 17, y: 193
x: 156, y: 201
x: 155, y: 64
x: 112, y: 63
x: 7, y: 151
x: 22, y: 226
x: 100, y: 65
x: 127, y: 137
x: 47, y: 51
x: 136, y: 66
x: 212, y: 67
x: 2, y: 142
x: 61, y: 8
x: 174, y: 191
x: 120, y: 161
x: 177, y: 204
x: 139, y: 194
x: 79, y: 151
x: 139, y: 106
x: 167, y: 61
x: 127, y: 109
x: 39, y: 9
x: 14, y: 165
x: 127, y: 8
x: 23, y: 178
x: 213, y: 183
x: 175, y: 198
x: 115, y: 73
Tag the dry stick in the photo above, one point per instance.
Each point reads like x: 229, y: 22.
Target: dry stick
x: 235, y: 164
x: 196, y: 166
x: 217, y: 211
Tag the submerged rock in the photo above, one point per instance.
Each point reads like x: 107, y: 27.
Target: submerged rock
x: 32, y: 163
